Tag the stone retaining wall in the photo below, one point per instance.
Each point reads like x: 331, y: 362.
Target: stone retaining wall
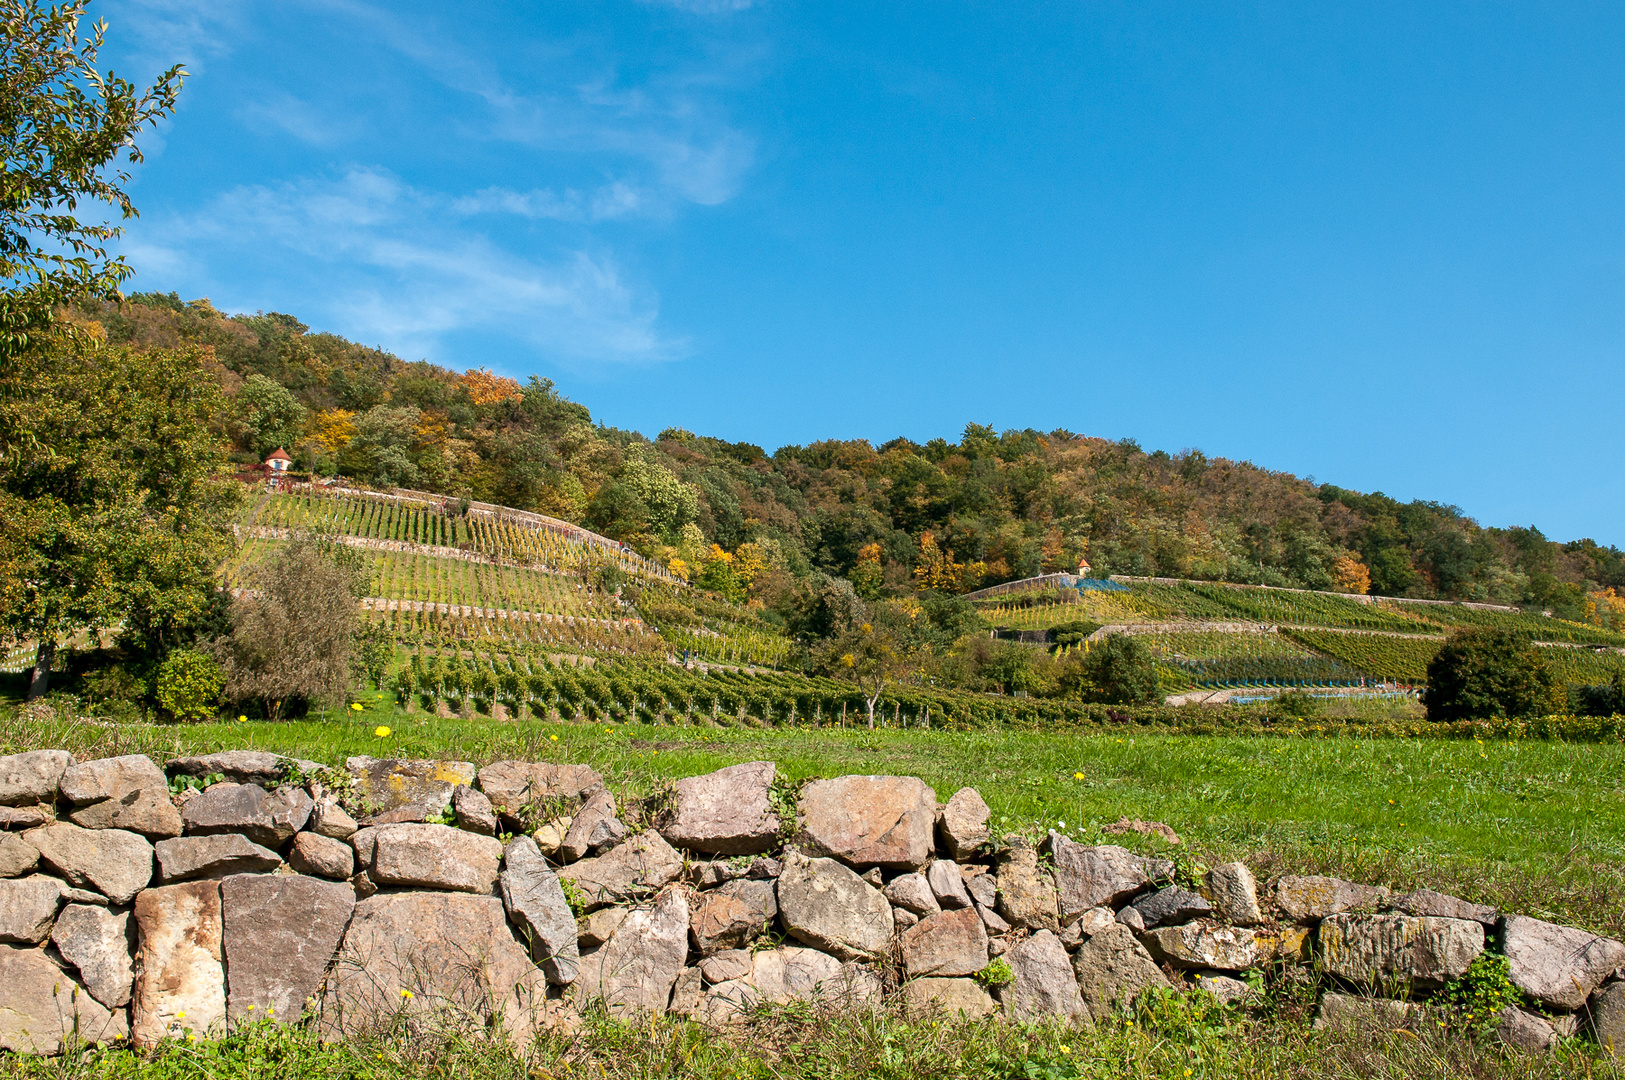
x: 518, y: 892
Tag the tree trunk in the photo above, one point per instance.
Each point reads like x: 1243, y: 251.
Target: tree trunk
x: 40, y: 678
x: 870, y: 702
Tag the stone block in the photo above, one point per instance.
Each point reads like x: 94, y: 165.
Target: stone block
x: 321, y: 856
x: 1204, y: 944
x: 115, y: 863
x: 393, y: 783
x: 962, y: 827
x: 948, y: 944
x: 635, y: 971
x: 864, y: 821
x: 727, y: 812
x: 180, y: 980
x: 33, y: 777
x: 281, y: 933
x: 824, y: 904
x: 128, y: 793
x: 535, y: 903
x: 1043, y: 983
x: 732, y: 916
x: 1306, y: 898
x: 1103, y: 875
x: 28, y: 907
x: 183, y: 858
x: 952, y: 996
x: 100, y: 944
x: 1558, y: 966
x: 435, y: 857
x: 268, y: 818
x: 1112, y: 968
x: 630, y: 870
x: 42, y: 1008
x: 1234, y: 894
x: 1382, y: 951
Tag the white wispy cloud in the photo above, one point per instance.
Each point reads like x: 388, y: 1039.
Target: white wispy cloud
x: 158, y: 33
x: 385, y: 262
x: 704, y: 7
x: 670, y: 123
x: 616, y: 200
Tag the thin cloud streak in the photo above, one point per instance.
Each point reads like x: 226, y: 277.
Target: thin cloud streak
x: 390, y: 265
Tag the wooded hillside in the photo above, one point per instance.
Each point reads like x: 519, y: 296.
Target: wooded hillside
x: 986, y: 508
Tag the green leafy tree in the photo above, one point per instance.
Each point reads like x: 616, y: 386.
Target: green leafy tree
x: 1118, y: 671
x: 380, y: 452
x: 189, y: 685
x: 878, y: 652
x: 67, y: 133
x: 110, y: 490
x: 671, y: 503
x: 1479, y: 674
x: 269, y: 415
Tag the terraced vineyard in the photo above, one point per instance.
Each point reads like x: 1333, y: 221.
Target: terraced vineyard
x: 1187, y: 660
x: 498, y: 576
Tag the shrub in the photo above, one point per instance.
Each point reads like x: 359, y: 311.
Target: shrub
x: 1118, y: 671
x: 189, y: 685
x: 1483, y: 674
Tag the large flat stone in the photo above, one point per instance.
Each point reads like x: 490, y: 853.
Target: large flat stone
x: 512, y: 786
x: 233, y: 766
x: 23, y: 817
x: 948, y: 885
x: 865, y: 821
x: 789, y: 974
x: 435, y: 857
x: 536, y: 904
x: 42, y: 1008
x: 1103, y: 875
x: 270, y: 819
x: 1043, y: 983
x: 115, y: 863
x: 1527, y: 1031
x: 183, y: 858
x: 453, y: 952
x: 1375, y: 951
x: 1202, y: 945
x: 824, y: 904
x: 1026, y: 892
x: 121, y: 793
x: 385, y: 784
x: 962, y: 828
x: 281, y: 933
x: 732, y: 916
x: 473, y: 811
x: 180, y: 980
x: 100, y: 944
x: 634, y: 972
x: 1112, y: 969
x: 726, y: 812
x: 1311, y: 897
x: 951, y: 943
x: 631, y: 869
x: 33, y: 777
x: 28, y: 907
x: 1558, y: 966
x: 17, y: 856
x: 1345, y: 1012
x: 1427, y: 903
x: 961, y: 996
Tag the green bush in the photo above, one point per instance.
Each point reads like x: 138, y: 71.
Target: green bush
x: 1484, y: 674
x: 189, y: 685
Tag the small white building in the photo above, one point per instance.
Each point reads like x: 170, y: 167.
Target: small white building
x: 279, y: 461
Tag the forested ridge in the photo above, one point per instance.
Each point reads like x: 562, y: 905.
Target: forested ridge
x: 989, y: 507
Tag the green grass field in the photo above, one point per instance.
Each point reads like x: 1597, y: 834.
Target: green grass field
x: 1530, y: 825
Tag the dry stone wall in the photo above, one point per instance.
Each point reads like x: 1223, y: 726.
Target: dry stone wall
x: 520, y: 892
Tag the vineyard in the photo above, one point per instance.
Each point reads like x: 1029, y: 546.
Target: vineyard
x: 1188, y: 660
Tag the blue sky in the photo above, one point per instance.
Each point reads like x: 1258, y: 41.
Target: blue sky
x: 1379, y: 245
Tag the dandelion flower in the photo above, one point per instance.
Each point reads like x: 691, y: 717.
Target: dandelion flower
x: 242, y: 719
x: 406, y: 995
x: 181, y: 1015
x: 555, y: 738
x: 381, y: 731
x: 1077, y: 776
x: 1066, y: 1049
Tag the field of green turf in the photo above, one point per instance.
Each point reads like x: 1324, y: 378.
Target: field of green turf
x: 1529, y: 825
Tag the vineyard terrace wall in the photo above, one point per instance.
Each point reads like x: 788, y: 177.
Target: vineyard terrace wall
x: 148, y: 903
